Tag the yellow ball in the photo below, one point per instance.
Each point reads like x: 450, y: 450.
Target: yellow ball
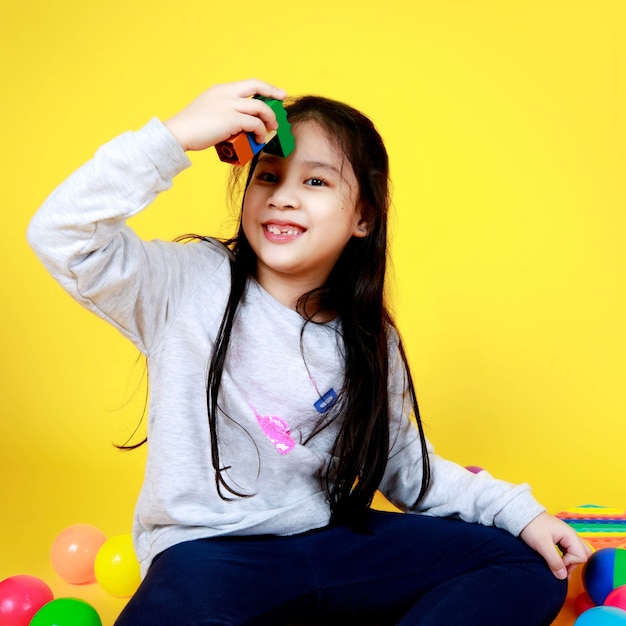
x: 116, y: 566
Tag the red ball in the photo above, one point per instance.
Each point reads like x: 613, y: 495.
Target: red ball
x: 583, y: 603
x: 20, y: 598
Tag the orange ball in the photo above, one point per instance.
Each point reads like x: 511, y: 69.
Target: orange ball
x: 74, y: 552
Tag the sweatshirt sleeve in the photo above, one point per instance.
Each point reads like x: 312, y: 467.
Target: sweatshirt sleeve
x: 453, y: 491
x: 81, y: 237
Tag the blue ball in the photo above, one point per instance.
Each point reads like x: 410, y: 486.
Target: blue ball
x: 604, y: 571
x: 602, y: 616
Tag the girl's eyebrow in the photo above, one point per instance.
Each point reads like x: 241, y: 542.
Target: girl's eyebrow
x: 322, y: 164
x: 266, y: 157
x: 270, y: 158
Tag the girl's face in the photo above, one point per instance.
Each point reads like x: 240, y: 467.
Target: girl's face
x: 300, y: 212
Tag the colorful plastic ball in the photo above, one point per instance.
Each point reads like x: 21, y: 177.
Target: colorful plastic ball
x: 116, y: 566
x: 602, y: 616
x: 20, y: 598
x: 604, y: 571
x: 66, y: 612
x: 74, y: 551
x: 617, y: 598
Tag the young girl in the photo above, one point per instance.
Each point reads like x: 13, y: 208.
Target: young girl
x: 280, y: 397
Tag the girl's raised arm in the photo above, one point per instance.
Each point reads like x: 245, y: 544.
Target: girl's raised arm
x: 80, y: 232
x: 224, y: 111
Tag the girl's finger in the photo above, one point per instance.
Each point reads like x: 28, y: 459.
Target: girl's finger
x: 259, y: 110
x: 253, y: 86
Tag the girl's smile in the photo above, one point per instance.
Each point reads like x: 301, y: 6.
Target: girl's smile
x: 282, y: 232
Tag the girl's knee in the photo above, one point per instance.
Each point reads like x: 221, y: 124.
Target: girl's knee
x: 548, y: 592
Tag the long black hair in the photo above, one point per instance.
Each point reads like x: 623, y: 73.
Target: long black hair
x: 355, y: 293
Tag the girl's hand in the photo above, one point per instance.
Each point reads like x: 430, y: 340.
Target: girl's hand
x: 546, y: 532
x: 224, y: 111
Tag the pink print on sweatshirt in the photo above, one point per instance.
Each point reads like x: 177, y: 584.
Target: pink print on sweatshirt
x: 277, y: 431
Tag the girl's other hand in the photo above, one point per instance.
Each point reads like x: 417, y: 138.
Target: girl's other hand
x: 224, y: 111
x: 546, y: 532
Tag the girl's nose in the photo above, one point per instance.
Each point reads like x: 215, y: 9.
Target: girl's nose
x: 284, y: 196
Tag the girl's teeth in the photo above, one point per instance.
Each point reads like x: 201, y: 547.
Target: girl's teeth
x: 286, y: 230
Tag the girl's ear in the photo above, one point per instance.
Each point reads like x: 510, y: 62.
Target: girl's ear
x: 361, y: 229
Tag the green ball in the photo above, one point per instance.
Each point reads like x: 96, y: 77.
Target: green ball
x: 66, y: 612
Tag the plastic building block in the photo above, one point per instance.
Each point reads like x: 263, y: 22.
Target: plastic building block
x: 236, y: 151
x: 241, y: 148
x: 283, y: 143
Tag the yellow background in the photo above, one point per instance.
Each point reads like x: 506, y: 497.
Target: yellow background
x: 505, y: 123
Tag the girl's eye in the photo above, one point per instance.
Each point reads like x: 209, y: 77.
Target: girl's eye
x: 267, y: 177
x: 315, y: 182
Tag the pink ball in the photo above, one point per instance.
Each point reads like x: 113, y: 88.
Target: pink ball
x: 74, y: 552
x: 20, y: 598
x: 617, y: 598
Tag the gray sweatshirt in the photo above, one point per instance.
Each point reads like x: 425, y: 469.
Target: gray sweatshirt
x: 168, y: 299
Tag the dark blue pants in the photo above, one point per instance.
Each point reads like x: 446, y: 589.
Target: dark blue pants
x: 406, y: 570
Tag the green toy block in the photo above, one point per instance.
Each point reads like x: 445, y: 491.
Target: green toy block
x: 283, y: 143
